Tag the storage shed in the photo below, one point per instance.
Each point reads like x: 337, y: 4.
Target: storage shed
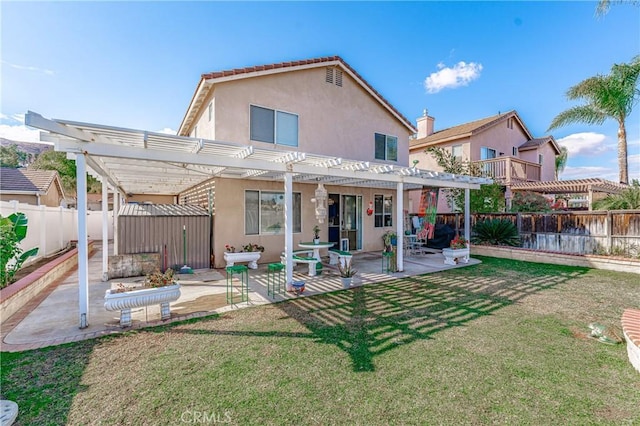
x: 158, y: 228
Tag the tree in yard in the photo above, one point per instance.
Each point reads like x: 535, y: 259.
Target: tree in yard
x: 527, y: 201
x: 11, y: 156
x: 611, y: 96
x: 561, y: 160
x: 488, y: 199
x: 56, y: 160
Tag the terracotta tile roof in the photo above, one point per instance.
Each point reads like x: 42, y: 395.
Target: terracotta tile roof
x: 14, y: 180
x: 42, y: 179
x: 533, y: 143
x: 294, y: 64
x: 462, y: 129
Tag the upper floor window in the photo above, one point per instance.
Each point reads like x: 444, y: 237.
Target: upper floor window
x: 195, y: 132
x: 210, y: 110
x: 540, y: 158
x: 268, y: 125
x: 510, y: 123
x: 514, y: 151
x: 487, y: 153
x: 456, y: 151
x: 386, y: 147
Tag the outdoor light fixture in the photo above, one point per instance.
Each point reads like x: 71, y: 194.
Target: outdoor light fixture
x: 319, y: 200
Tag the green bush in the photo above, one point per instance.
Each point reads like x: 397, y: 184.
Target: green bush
x: 13, y: 229
x: 497, y: 232
x: 529, y: 202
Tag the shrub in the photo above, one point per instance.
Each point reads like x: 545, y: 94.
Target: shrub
x: 529, y: 202
x: 13, y: 229
x: 498, y: 232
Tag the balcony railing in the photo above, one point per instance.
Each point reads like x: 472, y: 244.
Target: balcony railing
x: 510, y: 170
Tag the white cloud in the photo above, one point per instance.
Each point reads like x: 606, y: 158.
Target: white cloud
x: 29, y: 68
x: 584, y: 172
x: 461, y: 74
x: 168, y: 131
x: 19, y: 133
x: 586, y: 143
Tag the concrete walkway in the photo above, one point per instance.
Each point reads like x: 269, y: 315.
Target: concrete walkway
x: 53, y: 318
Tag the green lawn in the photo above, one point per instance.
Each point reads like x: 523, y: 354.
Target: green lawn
x: 500, y: 342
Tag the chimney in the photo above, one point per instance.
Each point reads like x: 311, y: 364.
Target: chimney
x: 425, y: 125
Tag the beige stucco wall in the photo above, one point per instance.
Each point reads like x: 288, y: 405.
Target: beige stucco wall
x: 498, y: 137
x: 548, y: 168
x: 22, y: 198
x: 52, y: 198
x: 229, y: 218
x: 332, y: 120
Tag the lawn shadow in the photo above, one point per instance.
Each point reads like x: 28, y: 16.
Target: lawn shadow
x: 370, y: 320
x: 44, y: 397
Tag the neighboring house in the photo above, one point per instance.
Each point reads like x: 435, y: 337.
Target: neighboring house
x: 502, y: 144
x: 37, y: 187
x: 94, y: 201
x: 319, y: 106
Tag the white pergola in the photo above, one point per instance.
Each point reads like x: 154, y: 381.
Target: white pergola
x: 141, y: 162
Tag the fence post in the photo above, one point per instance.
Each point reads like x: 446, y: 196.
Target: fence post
x: 609, y: 231
x: 61, y: 228
x: 43, y: 232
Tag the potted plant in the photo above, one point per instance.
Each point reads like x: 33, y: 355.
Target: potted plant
x: 157, y: 289
x: 346, y: 272
x: 458, y: 251
x: 389, y: 239
x: 316, y: 234
x: 250, y: 253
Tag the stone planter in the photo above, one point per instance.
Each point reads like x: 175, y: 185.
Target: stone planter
x: 127, y: 300
x: 346, y: 281
x: 451, y: 255
x: 246, y: 256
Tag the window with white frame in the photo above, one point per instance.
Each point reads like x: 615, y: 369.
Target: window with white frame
x: 195, y: 132
x: 386, y: 147
x: 264, y: 212
x: 514, y: 151
x: 383, y: 210
x: 540, y: 159
x: 456, y: 151
x: 273, y: 126
x: 487, y: 153
x: 210, y: 110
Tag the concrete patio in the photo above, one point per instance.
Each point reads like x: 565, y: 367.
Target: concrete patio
x: 54, y: 320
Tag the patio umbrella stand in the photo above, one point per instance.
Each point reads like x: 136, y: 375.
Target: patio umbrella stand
x: 185, y: 269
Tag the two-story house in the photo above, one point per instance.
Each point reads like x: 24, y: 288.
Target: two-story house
x: 502, y: 144
x: 319, y: 106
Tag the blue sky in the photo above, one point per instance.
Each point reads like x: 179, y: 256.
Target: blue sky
x: 137, y: 64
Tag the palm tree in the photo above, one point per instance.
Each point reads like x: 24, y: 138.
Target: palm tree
x: 561, y: 160
x: 628, y: 199
x: 606, y: 96
x: 604, y: 5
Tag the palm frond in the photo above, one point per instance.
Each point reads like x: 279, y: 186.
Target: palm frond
x: 578, y: 114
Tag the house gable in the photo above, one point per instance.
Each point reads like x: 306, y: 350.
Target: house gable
x: 208, y: 81
x: 335, y: 112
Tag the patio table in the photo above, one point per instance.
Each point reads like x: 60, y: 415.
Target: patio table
x: 316, y: 247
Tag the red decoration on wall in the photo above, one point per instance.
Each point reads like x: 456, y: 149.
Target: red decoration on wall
x: 370, y: 209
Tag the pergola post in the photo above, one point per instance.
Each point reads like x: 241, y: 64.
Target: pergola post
x: 467, y: 214
x: 105, y: 230
x: 400, y: 226
x: 83, y: 243
x: 288, y: 228
x: 116, y: 210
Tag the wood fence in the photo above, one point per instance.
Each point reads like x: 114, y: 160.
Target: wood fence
x: 596, y: 232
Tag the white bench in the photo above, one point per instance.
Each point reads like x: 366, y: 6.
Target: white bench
x: 302, y: 256
x: 335, y: 256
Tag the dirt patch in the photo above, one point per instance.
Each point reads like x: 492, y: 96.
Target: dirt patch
x: 26, y: 270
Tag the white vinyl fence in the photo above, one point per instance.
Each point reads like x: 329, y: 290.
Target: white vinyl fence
x: 51, y: 228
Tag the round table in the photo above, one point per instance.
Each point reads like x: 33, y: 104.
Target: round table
x: 316, y: 247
